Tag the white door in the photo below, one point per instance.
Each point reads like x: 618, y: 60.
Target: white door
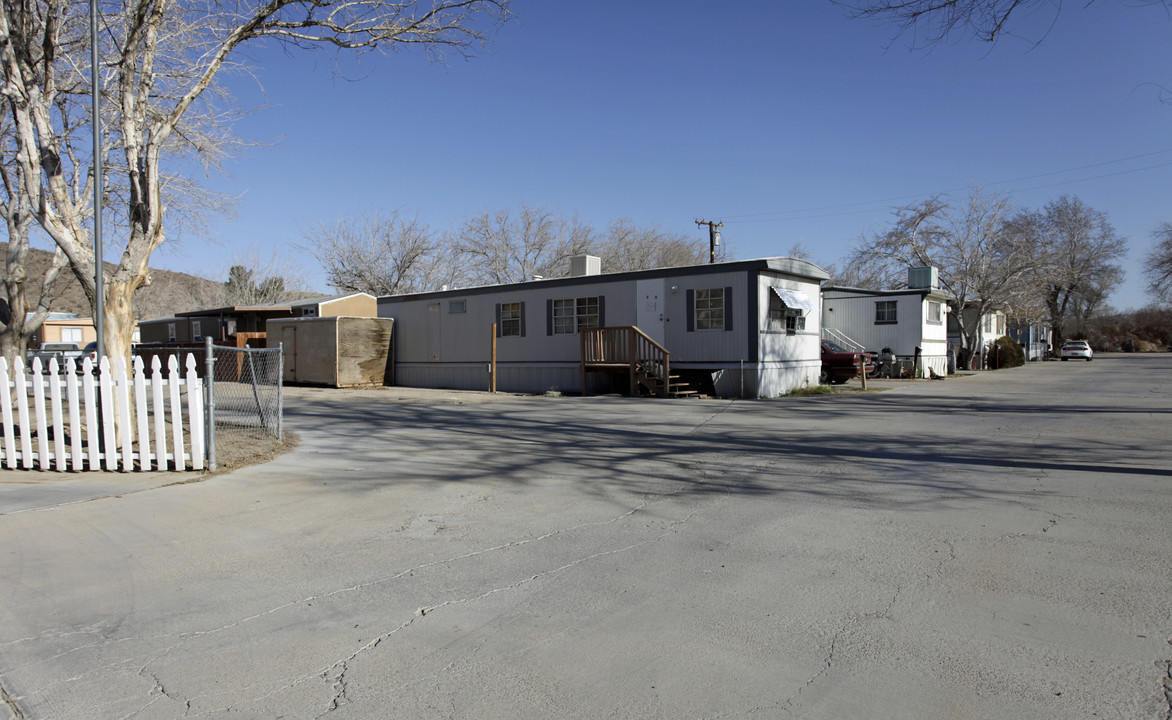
x: 650, y: 311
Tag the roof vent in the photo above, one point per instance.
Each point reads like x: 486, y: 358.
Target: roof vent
x: 581, y: 265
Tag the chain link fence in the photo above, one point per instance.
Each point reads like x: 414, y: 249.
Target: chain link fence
x: 246, y: 403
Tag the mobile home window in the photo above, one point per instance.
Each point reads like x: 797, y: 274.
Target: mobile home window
x: 457, y: 306
x: 885, y: 312
x: 781, y: 317
x: 935, y: 312
x: 565, y: 314
x: 71, y: 334
x: 196, y: 330
x: 710, y: 309
x: 510, y: 319
x: 170, y: 332
x: 587, y: 312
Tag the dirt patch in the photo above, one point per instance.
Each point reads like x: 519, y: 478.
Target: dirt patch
x: 235, y: 450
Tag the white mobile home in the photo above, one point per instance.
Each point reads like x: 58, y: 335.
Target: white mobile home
x: 748, y: 328
x: 903, y: 320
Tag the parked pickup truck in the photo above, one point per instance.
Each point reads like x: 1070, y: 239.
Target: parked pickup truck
x: 840, y: 365
x: 62, y: 351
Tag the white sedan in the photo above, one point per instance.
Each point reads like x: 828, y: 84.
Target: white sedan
x: 1077, y: 349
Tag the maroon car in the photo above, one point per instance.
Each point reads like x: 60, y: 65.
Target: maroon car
x: 840, y: 365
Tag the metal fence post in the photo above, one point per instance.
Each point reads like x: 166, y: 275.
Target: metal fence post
x: 210, y: 402
x: 281, y: 392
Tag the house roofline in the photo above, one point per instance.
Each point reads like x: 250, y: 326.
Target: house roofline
x: 789, y: 266
x: 862, y: 292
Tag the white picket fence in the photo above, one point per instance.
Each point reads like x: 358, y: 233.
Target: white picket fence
x: 66, y: 403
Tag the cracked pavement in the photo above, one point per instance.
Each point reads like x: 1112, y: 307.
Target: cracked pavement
x: 993, y: 546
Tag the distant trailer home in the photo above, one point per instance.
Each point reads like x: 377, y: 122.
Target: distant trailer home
x: 735, y: 329
x: 910, y: 322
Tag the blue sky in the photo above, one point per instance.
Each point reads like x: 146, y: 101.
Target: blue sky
x: 791, y: 122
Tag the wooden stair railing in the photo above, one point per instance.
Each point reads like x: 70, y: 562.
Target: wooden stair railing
x: 615, y: 349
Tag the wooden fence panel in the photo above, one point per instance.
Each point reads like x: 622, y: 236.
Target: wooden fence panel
x: 160, y: 417
x: 26, y: 437
x: 77, y: 455
x: 9, y: 459
x: 39, y: 406
x: 176, y: 411
x: 84, y: 420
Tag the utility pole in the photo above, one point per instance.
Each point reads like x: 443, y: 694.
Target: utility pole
x: 713, y: 237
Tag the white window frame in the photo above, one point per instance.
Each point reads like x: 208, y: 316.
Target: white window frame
x: 565, y: 316
x: 571, y: 315
x: 197, y: 329
x: 586, y: 312
x: 171, y: 332
x: 935, y: 312
x: 71, y: 334
x: 709, y: 308
x: 511, y: 319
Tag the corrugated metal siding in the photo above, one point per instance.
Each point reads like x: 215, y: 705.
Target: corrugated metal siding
x: 775, y: 345
x: 511, y: 377
x: 467, y: 336
x: 855, y: 318
x: 708, y: 346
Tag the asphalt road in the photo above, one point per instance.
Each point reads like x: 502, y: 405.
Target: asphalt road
x: 995, y: 546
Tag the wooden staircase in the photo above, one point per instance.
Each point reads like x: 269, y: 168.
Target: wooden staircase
x: 627, y: 349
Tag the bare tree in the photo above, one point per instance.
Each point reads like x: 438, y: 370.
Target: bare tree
x: 501, y: 247
x: 1075, y: 254
x: 382, y: 254
x: 977, y: 261
x: 627, y: 246
x: 932, y: 21
x: 163, y: 59
x: 1158, y: 264
x: 22, y: 315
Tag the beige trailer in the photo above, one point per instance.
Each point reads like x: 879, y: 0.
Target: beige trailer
x: 335, y: 351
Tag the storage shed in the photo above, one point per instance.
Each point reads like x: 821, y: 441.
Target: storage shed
x: 336, y: 351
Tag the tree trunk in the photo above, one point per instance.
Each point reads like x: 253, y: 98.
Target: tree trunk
x: 13, y: 341
x: 118, y: 320
x: 1056, y: 329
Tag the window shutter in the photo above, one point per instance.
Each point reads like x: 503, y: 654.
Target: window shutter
x: 601, y: 311
x: 728, y: 309
x: 691, y: 301
x: 549, y: 317
x: 498, y: 320
x: 522, y: 319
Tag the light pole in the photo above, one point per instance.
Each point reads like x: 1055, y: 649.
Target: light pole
x: 99, y: 289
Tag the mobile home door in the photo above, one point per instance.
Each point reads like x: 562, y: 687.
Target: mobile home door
x: 649, y: 313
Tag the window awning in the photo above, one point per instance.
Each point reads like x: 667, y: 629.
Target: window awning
x: 795, y: 299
